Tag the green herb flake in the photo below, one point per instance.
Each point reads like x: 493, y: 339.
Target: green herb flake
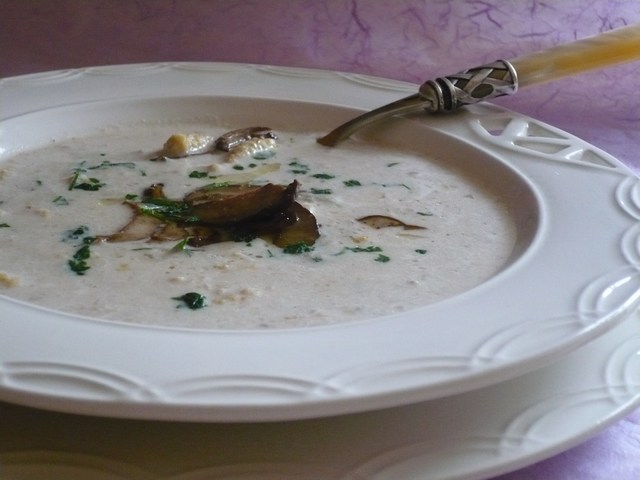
x: 198, y: 174
x: 238, y: 167
x: 78, y: 263
x: 183, y: 246
x: 90, y: 185
x: 352, y: 183
x: 166, y: 209
x: 381, y: 258
x: 370, y: 249
x: 298, y: 168
x: 77, y: 233
x: 4, y: 225
x: 323, y: 176
x: 321, y: 191
x: 60, y: 200
x: 297, y: 248
x: 192, y: 300
x: 425, y: 214
x: 421, y: 251
x: 393, y: 164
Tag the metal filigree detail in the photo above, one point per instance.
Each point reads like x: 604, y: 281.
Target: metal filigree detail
x: 474, y: 85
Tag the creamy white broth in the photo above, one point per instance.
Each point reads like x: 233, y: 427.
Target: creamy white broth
x: 353, y: 271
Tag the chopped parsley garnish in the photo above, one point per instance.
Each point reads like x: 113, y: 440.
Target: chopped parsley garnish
x: 352, y: 183
x: 425, y: 214
x: 77, y: 233
x: 238, y: 167
x: 192, y: 300
x: 183, y: 246
x: 421, y: 251
x: 88, y: 184
x: 369, y: 249
x: 4, y: 225
x: 297, y: 248
x: 321, y: 191
x: 323, y: 176
x: 60, y: 200
x: 78, y: 263
x: 166, y: 209
x: 298, y: 168
x: 80, y: 181
x: 198, y: 174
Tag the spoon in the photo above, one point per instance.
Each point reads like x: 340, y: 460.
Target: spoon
x: 504, y: 77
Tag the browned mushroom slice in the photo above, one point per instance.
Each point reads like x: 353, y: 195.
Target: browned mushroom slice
x: 234, y: 138
x: 235, y: 203
x: 304, y: 230
x: 140, y: 227
x: 383, y: 221
x: 155, y: 191
x: 169, y: 231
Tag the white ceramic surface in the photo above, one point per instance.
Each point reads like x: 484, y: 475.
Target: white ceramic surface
x: 573, y: 277
x: 465, y: 437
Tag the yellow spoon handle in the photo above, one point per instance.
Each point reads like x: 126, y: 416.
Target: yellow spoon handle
x: 611, y: 48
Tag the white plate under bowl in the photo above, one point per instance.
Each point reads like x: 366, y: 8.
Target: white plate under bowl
x: 573, y: 274
x: 470, y: 436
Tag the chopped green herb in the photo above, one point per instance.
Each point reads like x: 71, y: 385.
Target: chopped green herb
x: 352, y: 183
x: 77, y: 233
x: 425, y: 214
x: 81, y: 182
x: 183, y: 246
x: 166, y: 209
x: 78, y: 263
x: 369, y: 249
x: 238, y: 167
x: 321, y: 191
x: 252, y: 165
x: 107, y: 164
x: 192, y: 300
x: 4, y: 225
x: 130, y: 196
x: 198, y: 174
x: 60, y: 200
x: 421, y: 251
x: 298, y: 168
x: 297, y: 248
x: 393, y: 164
x: 382, y: 258
x: 323, y: 176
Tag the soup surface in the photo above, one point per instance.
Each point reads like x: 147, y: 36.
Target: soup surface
x: 454, y: 231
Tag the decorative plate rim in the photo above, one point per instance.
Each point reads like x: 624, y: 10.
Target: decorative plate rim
x: 384, y: 362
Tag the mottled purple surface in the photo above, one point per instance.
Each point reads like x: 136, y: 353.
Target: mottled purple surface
x: 403, y: 39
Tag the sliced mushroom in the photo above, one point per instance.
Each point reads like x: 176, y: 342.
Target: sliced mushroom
x: 383, y: 221
x: 304, y: 229
x: 234, y: 203
x: 234, y: 138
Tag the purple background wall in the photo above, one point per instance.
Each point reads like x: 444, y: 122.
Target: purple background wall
x: 410, y: 40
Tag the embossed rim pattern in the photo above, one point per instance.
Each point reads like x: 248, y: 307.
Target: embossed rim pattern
x: 574, y: 291
x: 506, y: 426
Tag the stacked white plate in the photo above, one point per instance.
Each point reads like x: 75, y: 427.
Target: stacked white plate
x: 530, y: 362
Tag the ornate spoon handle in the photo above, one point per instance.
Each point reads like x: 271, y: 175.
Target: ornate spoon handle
x: 504, y: 77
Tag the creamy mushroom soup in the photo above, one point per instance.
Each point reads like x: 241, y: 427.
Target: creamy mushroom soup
x: 397, y: 230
